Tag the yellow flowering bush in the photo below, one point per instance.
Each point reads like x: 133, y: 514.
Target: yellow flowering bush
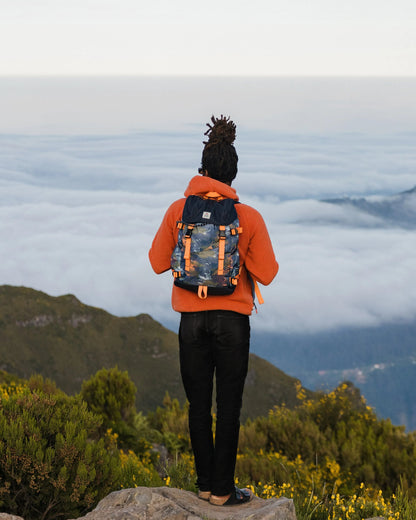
x: 181, y: 472
x: 9, y: 389
x: 138, y: 471
x: 338, y: 438
x: 365, y: 503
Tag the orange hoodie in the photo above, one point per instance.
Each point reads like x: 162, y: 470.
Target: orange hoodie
x: 255, y: 249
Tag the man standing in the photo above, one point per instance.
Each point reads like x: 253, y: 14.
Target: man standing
x: 214, y: 334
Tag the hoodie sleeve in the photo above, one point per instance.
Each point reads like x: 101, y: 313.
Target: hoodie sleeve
x: 165, y: 239
x: 260, y: 260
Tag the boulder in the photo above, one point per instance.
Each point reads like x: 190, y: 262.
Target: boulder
x: 144, y: 503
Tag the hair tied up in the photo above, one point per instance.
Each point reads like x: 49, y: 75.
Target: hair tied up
x: 222, y: 131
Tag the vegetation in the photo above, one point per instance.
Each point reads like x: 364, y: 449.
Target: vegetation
x: 111, y: 394
x: 60, y: 454
x: 331, y: 455
x: 338, y: 430
x: 52, y: 462
x: 56, y: 461
x: 378, y: 359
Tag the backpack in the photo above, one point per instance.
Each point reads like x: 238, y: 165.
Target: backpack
x: 206, y: 259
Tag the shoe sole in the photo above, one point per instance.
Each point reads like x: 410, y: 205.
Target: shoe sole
x: 218, y: 502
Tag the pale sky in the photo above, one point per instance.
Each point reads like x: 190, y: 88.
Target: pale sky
x: 219, y: 37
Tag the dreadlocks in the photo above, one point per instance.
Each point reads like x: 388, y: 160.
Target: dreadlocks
x: 219, y: 157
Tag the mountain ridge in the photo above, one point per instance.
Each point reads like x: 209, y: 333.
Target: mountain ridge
x: 398, y: 209
x: 380, y: 361
x: 67, y: 341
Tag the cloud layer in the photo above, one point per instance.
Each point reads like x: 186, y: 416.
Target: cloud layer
x: 78, y: 214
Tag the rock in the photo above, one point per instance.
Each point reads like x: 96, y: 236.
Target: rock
x: 160, y: 503
x: 6, y: 516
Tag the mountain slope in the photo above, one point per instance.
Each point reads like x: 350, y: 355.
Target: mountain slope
x: 380, y: 361
x: 399, y: 209
x: 67, y: 341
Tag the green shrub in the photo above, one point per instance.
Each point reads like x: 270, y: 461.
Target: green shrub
x: 169, y: 426
x: 52, y: 463
x: 111, y: 394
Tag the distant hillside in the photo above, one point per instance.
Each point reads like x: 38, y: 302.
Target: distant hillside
x: 380, y: 361
x: 67, y: 341
x: 399, y: 209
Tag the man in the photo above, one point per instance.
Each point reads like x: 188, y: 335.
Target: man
x: 214, y: 334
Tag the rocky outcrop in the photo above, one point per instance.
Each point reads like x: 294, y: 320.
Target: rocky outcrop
x: 174, y: 504
x: 41, y: 320
x: 165, y: 503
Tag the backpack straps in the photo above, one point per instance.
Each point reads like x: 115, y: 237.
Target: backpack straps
x: 187, y: 238
x: 221, y: 249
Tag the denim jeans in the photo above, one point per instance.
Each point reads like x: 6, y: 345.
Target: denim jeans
x: 214, y: 342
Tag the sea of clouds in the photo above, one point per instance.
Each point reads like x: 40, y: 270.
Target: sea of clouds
x: 78, y: 215
x: 78, y: 212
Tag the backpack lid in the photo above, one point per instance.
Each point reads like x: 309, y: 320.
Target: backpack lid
x: 209, y: 211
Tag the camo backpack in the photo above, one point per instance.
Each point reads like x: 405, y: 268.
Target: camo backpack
x: 205, y: 259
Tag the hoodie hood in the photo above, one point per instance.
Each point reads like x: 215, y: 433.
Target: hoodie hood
x: 200, y: 185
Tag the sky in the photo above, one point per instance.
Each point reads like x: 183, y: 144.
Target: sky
x: 233, y: 37
x: 111, y: 104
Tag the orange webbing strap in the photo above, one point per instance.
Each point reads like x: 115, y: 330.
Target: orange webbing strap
x: 202, y: 292
x: 187, y: 253
x: 258, y: 293
x: 221, y: 250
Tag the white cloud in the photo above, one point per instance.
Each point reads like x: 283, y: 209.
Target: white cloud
x: 332, y: 277
x: 78, y: 214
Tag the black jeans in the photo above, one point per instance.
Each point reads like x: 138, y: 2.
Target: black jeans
x: 214, y: 341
